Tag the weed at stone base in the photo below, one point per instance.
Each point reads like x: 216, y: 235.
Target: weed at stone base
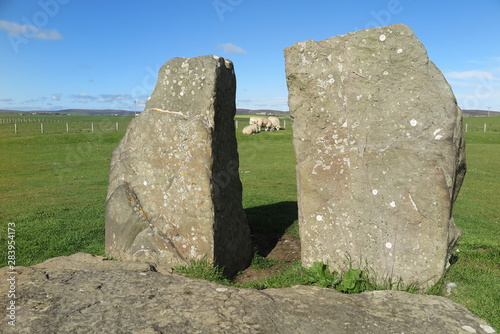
x: 352, y: 281
x: 203, y: 269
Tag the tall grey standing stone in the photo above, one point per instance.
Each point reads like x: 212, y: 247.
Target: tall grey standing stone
x: 380, y: 154
x: 174, y: 188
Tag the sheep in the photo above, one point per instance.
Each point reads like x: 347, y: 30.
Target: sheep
x: 253, y: 120
x: 251, y: 129
x: 267, y: 124
x: 260, y: 122
x: 256, y: 120
x: 275, y: 122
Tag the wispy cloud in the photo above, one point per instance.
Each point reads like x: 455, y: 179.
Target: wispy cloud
x: 113, y: 97
x: 30, y: 31
x: 472, y: 75
x: 83, y: 96
x: 6, y: 100
x: 231, y: 48
x: 56, y: 97
x: 101, y: 98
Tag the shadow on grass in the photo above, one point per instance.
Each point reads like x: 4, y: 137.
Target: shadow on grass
x: 268, y: 223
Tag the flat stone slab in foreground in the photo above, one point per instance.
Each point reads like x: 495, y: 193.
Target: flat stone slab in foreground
x: 86, y: 294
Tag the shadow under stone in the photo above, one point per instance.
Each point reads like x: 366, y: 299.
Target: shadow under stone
x: 268, y: 223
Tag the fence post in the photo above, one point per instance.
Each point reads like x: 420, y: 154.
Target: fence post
x: 284, y: 124
x: 466, y: 126
x: 67, y: 127
x: 92, y: 127
x: 484, y: 127
x: 15, y: 128
x: 41, y: 127
x: 236, y: 124
x: 116, y: 126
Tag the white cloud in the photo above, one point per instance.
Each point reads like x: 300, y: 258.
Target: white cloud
x: 113, y: 97
x: 231, y: 48
x: 56, y: 97
x: 472, y: 75
x: 83, y: 96
x: 275, y: 103
x: 29, y: 31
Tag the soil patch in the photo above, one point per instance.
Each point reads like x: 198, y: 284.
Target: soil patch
x: 283, y: 248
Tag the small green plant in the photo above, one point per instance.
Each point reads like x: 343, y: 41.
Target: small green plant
x: 203, y: 269
x: 352, y: 281
x: 319, y: 274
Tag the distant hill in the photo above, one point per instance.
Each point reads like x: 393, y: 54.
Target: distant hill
x: 239, y: 111
x: 476, y: 113
x: 267, y: 112
x: 128, y: 113
x: 71, y: 112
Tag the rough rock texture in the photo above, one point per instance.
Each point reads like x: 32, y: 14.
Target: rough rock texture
x: 380, y: 154
x: 174, y: 189
x: 86, y: 294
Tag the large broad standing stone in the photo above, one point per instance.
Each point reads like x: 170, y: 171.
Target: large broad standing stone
x: 174, y: 188
x: 380, y: 154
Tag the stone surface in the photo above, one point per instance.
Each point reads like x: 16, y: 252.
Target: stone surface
x: 380, y: 154
x: 87, y: 294
x: 174, y: 189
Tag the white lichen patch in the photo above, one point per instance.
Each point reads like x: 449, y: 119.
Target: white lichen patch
x: 374, y: 192
x: 392, y: 204
x: 399, y: 50
x: 437, y: 136
x: 382, y: 37
x: 469, y: 329
x: 487, y: 329
x: 319, y: 218
x: 388, y: 245
x: 413, y: 122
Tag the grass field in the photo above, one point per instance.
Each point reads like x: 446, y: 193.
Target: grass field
x: 53, y: 187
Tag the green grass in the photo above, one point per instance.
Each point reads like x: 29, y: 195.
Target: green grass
x: 477, y: 213
x: 53, y: 187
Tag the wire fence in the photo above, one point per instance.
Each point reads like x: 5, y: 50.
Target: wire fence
x: 31, y: 126
x: 37, y: 126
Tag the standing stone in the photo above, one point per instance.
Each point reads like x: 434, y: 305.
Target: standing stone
x: 380, y: 154
x: 174, y: 188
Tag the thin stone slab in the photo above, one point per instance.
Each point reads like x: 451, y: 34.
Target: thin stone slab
x: 174, y: 190
x: 85, y: 294
x: 380, y: 154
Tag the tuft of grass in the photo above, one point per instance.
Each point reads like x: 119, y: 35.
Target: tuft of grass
x: 203, y: 269
x: 260, y: 263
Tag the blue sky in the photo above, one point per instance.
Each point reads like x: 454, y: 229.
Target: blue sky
x: 59, y: 54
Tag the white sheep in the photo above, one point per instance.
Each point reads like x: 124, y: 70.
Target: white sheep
x: 267, y: 124
x: 261, y: 122
x: 250, y: 129
x: 256, y: 120
x: 275, y: 122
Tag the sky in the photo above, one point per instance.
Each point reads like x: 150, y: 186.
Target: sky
x: 95, y: 54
